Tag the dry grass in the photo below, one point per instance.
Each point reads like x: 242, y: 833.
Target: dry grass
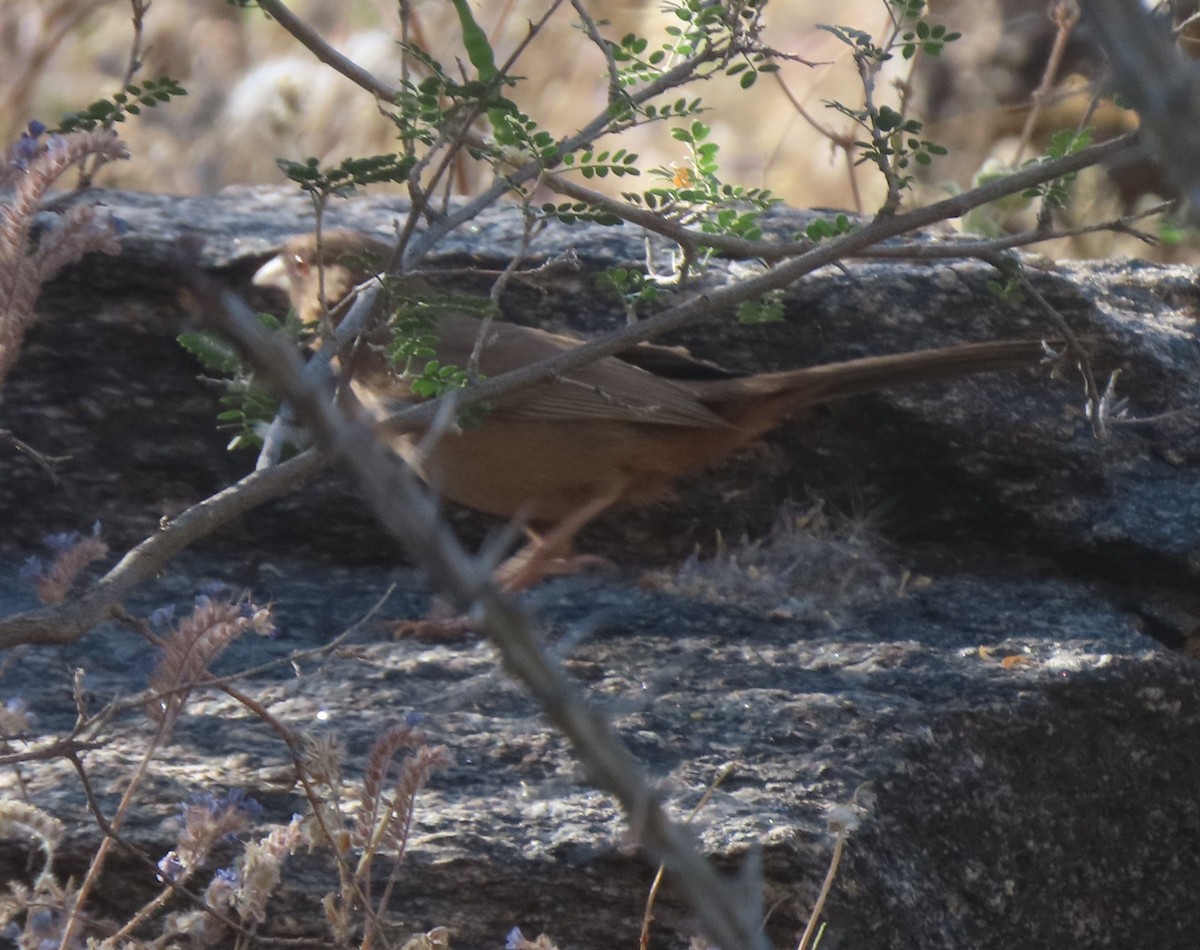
x: 255, y: 95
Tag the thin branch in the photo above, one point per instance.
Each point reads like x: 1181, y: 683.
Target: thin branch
x: 317, y: 45
x: 826, y: 885
x: 1152, y: 74
x: 615, y: 92
x: 1009, y: 267
x: 498, y: 287
x: 46, y: 462
x: 966, y: 247
x: 735, y: 247
x: 89, y: 168
x: 523, y: 169
x: 411, y: 515
x: 69, y: 621
x: 656, y: 884
x: 727, y: 298
x: 1066, y: 15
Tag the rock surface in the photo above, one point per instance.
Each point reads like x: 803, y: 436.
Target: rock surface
x: 958, y: 636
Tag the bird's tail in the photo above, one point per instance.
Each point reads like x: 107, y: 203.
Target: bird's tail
x: 790, y: 391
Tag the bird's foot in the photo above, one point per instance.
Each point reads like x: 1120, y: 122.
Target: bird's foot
x: 436, y: 629
x: 529, y: 566
x: 518, y: 573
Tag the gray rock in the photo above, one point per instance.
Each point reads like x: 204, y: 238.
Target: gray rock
x: 956, y: 639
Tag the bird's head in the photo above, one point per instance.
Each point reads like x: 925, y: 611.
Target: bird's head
x: 347, y: 259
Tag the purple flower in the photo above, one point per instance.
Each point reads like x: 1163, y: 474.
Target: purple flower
x: 228, y: 876
x: 240, y: 800
x: 62, y: 541
x: 32, y: 570
x: 215, y: 805
x: 43, y: 922
x: 27, y: 146
x: 206, y: 800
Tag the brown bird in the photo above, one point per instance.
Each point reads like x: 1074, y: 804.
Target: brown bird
x: 618, y: 430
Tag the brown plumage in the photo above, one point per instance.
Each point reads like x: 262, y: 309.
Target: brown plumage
x: 621, y: 429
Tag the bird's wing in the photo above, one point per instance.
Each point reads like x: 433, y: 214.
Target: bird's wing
x: 609, y: 388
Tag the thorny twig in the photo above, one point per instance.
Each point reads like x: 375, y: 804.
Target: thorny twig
x: 411, y: 515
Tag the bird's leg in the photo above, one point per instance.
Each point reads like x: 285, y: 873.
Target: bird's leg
x: 541, y: 556
x: 550, y: 553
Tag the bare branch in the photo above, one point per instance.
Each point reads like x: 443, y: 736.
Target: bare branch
x: 69, y: 621
x: 411, y: 515
x: 1160, y: 84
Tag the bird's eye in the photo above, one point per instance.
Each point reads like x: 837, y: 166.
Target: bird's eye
x: 300, y: 264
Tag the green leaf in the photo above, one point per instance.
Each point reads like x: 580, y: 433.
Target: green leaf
x: 768, y: 309
x: 212, y: 351
x: 888, y: 119
x: 475, y: 40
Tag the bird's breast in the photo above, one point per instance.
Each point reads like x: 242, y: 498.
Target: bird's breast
x: 545, y: 471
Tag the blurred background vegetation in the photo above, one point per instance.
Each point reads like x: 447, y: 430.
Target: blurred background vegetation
x: 254, y: 94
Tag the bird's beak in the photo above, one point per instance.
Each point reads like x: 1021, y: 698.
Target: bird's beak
x: 273, y: 274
